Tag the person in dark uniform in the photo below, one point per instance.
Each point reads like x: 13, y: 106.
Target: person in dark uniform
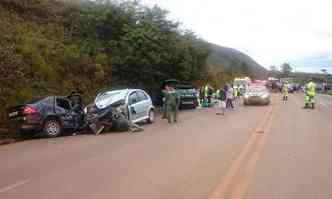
x: 171, y: 102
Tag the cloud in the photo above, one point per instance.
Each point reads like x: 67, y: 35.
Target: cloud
x: 270, y: 31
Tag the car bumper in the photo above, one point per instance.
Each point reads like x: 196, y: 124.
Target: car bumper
x: 256, y: 101
x: 188, y: 103
x: 25, y: 124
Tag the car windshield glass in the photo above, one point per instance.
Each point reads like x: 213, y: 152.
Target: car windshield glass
x: 182, y: 91
x: 240, y: 82
x: 108, y: 95
x: 256, y: 89
x: 105, y: 99
x: 186, y: 91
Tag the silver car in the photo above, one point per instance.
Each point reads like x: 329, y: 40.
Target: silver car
x: 256, y: 95
x: 136, y: 103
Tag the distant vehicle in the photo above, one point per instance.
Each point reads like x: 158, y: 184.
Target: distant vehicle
x: 257, y: 95
x: 50, y: 116
x: 242, y: 83
x: 109, y: 107
x: 273, y: 84
x: 188, y: 96
x: 188, y: 93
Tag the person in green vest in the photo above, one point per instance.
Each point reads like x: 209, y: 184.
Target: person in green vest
x: 172, y: 103
x: 310, y: 93
x: 206, y: 95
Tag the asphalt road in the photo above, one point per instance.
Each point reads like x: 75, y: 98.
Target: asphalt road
x: 261, y: 152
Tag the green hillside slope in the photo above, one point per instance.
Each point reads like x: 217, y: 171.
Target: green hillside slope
x: 235, y: 62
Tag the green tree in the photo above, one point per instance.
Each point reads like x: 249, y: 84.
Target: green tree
x: 286, y: 69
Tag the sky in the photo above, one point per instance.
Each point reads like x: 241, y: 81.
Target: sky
x: 271, y: 32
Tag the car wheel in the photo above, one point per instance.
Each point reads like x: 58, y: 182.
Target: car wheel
x: 52, y: 128
x: 151, y: 118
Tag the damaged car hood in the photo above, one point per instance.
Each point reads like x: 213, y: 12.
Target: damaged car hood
x: 103, y: 100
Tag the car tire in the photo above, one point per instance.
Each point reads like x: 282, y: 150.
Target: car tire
x: 151, y: 118
x: 52, y: 128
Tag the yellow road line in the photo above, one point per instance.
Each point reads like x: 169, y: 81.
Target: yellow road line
x: 18, y: 184
x: 235, y: 184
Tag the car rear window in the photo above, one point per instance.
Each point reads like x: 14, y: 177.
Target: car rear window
x: 256, y: 89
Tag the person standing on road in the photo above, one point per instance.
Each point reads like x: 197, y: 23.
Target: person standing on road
x: 210, y: 95
x: 221, y: 101
x: 164, y: 91
x: 172, y: 102
x: 229, y: 97
x: 310, y: 93
x: 285, y: 91
x: 236, y: 95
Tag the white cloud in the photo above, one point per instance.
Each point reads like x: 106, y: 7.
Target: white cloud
x: 271, y: 32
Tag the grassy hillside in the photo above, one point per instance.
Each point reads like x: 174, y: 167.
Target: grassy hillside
x: 223, y: 59
x: 50, y: 47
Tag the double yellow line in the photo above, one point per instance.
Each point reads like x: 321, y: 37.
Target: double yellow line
x: 236, y: 182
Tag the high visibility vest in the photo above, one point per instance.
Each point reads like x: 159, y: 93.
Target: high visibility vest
x: 217, y: 93
x: 236, y: 92
x: 311, y: 86
x: 285, y: 89
x: 206, y: 91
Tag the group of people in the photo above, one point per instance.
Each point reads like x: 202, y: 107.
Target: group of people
x: 309, y: 93
x: 225, y: 97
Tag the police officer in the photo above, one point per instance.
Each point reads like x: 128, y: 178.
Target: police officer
x: 310, y: 93
x: 172, y: 102
x: 285, y: 91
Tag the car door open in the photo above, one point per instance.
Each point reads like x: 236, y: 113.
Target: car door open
x: 132, y: 106
x: 63, y: 109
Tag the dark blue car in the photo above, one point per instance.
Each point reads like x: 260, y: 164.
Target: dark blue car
x: 50, y: 116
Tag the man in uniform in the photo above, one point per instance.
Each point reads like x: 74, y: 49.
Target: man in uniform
x: 310, y: 93
x: 285, y: 91
x: 171, y: 102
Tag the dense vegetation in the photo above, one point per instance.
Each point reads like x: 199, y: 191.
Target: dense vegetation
x: 51, y: 47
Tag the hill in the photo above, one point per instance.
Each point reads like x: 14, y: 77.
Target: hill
x: 223, y: 59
